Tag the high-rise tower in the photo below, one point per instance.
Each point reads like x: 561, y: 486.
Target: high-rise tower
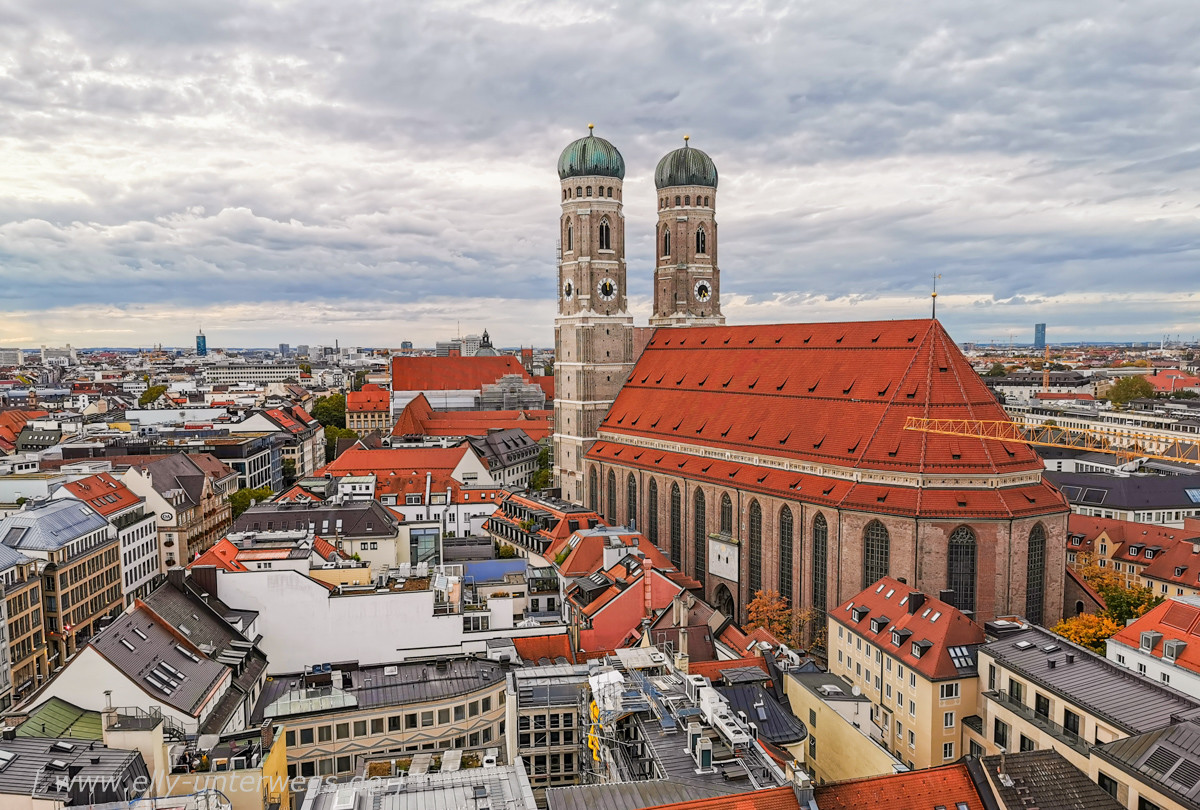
x: 687, y: 281
x: 593, y: 333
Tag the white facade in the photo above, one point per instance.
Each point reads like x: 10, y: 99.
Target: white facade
x: 302, y: 623
x: 139, y: 547
x: 251, y: 372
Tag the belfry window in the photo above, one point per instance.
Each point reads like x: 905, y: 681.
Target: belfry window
x: 687, y: 199
x: 700, y: 240
x: 605, y: 235
x: 578, y: 191
x: 570, y: 237
x: 676, y: 199
x: 666, y: 251
x: 589, y: 191
x: 609, y: 191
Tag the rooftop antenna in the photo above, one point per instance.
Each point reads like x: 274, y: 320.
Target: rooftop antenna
x: 933, y: 295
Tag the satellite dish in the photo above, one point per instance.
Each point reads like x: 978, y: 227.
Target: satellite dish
x: 856, y: 691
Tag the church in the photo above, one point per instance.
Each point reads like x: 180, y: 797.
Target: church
x: 775, y: 457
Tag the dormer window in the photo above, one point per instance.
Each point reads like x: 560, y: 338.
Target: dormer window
x: 878, y: 623
x: 1179, y: 570
x: 1149, y: 554
x: 1149, y: 639
x: 859, y: 613
x: 916, y: 649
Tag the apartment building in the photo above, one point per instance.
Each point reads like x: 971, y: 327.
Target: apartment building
x: 136, y: 525
x: 79, y: 557
x: 369, y: 409
x: 1039, y: 691
x: 303, y: 437
x: 190, y: 496
x: 233, y: 373
x: 1163, y: 645
x: 1125, y: 547
x: 339, y: 714
x: 22, y: 636
x: 531, y: 524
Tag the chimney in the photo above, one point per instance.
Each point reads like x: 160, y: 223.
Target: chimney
x: 915, y: 600
x: 682, y: 659
x: 176, y: 576
x: 267, y: 732
x: 945, y: 595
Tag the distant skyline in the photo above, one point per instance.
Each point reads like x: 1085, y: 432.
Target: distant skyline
x: 377, y: 173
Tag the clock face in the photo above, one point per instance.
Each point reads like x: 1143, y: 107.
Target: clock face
x: 607, y: 289
x: 703, y: 291
x: 568, y: 289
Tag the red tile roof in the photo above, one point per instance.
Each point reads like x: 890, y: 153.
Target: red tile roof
x: 223, y: 554
x: 452, y: 373
x: 934, y: 621
x: 914, y: 790
x: 1172, y: 379
x: 713, y: 669
x: 782, y: 798
x: 11, y: 423
x: 371, y: 398
x: 326, y: 550
x: 535, y: 648
x: 839, y: 393
x: 103, y: 493
x: 1178, y: 564
x: 419, y: 419
x: 547, y: 384
x: 358, y: 461
x: 1176, y: 620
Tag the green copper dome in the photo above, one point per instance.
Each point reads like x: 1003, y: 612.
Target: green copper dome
x: 685, y: 167
x: 591, y: 156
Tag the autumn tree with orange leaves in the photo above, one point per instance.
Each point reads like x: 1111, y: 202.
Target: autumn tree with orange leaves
x: 770, y: 610
x: 1089, y: 630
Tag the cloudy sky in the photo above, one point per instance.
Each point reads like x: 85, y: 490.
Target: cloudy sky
x: 374, y: 172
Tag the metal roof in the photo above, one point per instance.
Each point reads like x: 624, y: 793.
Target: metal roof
x: 58, y: 718
x: 775, y: 722
x: 35, y: 766
x: 1105, y: 688
x: 504, y: 786
x: 1168, y: 759
x: 50, y: 525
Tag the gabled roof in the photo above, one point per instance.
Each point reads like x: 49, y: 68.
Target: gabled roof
x: 912, y: 790
x: 533, y: 649
x: 409, y: 460
x: 56, y: 717
x: 103, y: 493
x: 951, y: 637
x: 420, y: 419
x: 839, y: 394
x: 713, y: 669
x: 1178, y: 564
x: 1176, y: 620
x: 1044, y: 780
x: 49, y: 525
x: 1128, y: 492
x: 223, y: 555
x: 452, y: 373
x: 1166, y: 758
x: 372, y: 398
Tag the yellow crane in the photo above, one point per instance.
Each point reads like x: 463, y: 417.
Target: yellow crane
x: 1124, y: 443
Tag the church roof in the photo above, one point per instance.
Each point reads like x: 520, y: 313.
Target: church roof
x: 685, y: 167
x: 591, y: 156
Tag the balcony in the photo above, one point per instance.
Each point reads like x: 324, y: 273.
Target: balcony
x: 1059, y: 733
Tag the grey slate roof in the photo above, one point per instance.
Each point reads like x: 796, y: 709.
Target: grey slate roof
x: 355, y: 516
x: 626, y: 795
x: 50, y: 525
x: 1167, y: 758
x: 106, y: 775
x: 10, y: 557
x: 158, y: 658
x: 1133, y: 492
x: 1129, y: 701
x: 1047, y: 781
x: 775, y: 722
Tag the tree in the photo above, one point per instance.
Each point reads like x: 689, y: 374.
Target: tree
x: 997, y: 370
x: 542, y: 476
x: 331, y: 410
x: 306, y: 368
x: 1127, y: 389
x: 770, y: 610
x: 332, y: 434
x: 1184, y: 393
x: 360, y: 379
x: 151, y: 394
x: 289, y: 471
x: 506, y: 552
x: 240, y: 500
x: 1089, y: 630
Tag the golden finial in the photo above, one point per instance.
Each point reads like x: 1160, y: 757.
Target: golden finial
x: 590, y: 128
x: 686, y: 138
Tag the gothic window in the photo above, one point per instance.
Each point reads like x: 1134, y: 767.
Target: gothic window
x: 699, y: 536
x: 676, y: 199
x: 876, y: 552
x: 786, y: 556
x: 1035, y: 574
x: 652, y: 512
x: 706, y: 201
x: 726, y: 514
x: 589, y: 191
x: 564, y: 193
x: 755, y: 548
x: 961, y: 562
x: 676, y: 527
x: 578, y: 191
x: 687, y: 200
x: 631, y: 502
x: 609, y: 192
x: 570, y: 237
x: 611, y: 514
x: 820, y: 541
x: 666, y: 242
x: 605, y: 235
x: 593, y: 495
x: 700, y: 240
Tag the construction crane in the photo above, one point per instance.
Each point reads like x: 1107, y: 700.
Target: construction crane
x: 1123, y: 443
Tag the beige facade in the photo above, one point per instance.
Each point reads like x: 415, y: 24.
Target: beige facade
x: 23, y: 631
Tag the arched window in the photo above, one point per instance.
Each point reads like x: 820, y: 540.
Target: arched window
x: 961, y: 564
x: 611, y: 513
x: 876, y: 552
x: 564, y: 193
x: 593, y: 494
x: 676, y: 199
x: 631, y: 502
x: 652, y: 512
x: 1035, y: 574
x: 609, y: 192
x: 666, y: 242
x: 570, y: 237
x: 589, y: 191
x: 706, y: 202
x: 699, y: 536
x: 786, y: 557
x: 700, y: 240
x: 687, y: 199
x: 726, y: 514
x: 578, y: 191
x: 676, y: 528
x: 820, y: 542
x: 755, y: 548
x: 605, y: 235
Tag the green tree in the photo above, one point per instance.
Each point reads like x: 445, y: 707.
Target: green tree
x: 150, y: 394
x: 240, y: 500
x: 331, y: 410
x: 1127, y: 389
x: 542, y: 476
x: 997, y: 370
x: 360, y: 379
x: 332, y: 434
x: 506, y: 552
x: 289, y: 471
x: 1184, y: 394
x: 306, y: 368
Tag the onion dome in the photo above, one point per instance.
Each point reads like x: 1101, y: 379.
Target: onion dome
x: 591, y: 156
x: 685, y: 167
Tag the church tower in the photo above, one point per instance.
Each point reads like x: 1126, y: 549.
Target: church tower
x: 593, y: 333
x: 687, y: 281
